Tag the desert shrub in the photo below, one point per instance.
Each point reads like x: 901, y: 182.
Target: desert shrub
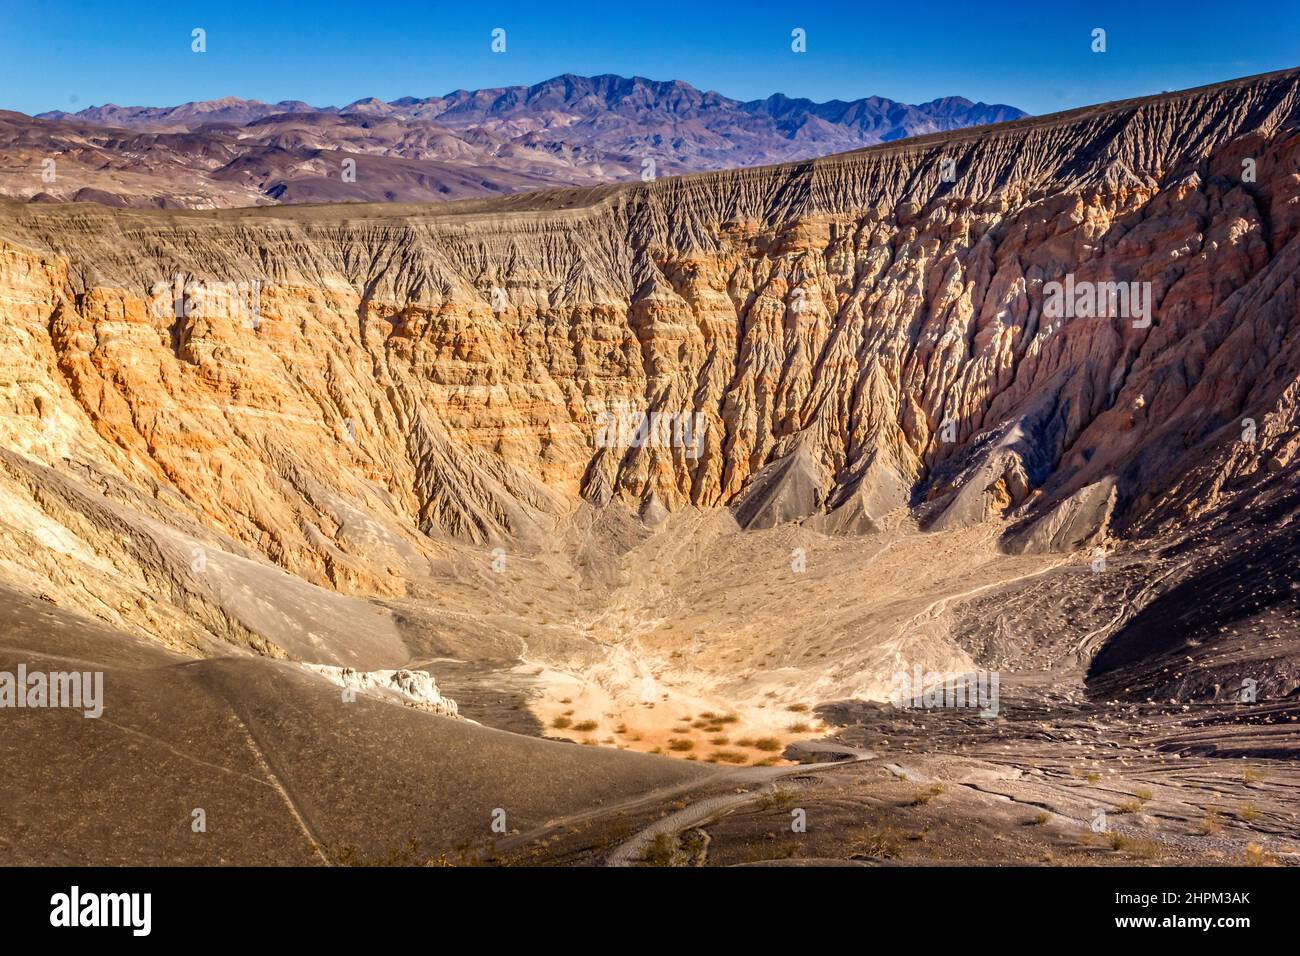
x: 728, y: 756
x: 778, y: 798
x: 922, y: 797
x: 1256, y: 855
x: 1140, y: 847
x: 874, y: 842
x: 662, y: 851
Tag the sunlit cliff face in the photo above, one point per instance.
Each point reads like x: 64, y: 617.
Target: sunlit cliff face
x: 864, y: 345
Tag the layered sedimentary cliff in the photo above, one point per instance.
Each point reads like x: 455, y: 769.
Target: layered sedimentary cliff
x: 343, y: 392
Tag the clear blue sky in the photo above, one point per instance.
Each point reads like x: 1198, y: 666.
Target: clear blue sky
x: 68, y: 55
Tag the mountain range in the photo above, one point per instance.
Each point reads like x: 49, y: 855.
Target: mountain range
x: 569, y: 130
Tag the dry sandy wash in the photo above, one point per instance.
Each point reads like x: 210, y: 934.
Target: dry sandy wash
x: 259, y: 466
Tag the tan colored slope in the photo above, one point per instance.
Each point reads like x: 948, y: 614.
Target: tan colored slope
x: 285, y: 771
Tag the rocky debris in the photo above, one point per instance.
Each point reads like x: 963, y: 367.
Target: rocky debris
x: 788, y: 489
x: 412, y: 688
x: 1071, y: 524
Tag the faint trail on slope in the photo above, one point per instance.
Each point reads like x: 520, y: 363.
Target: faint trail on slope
x: 1129, y: 607
x: 940, y: 604
x: 633, y: 850
x: 183, y: 755
x: 274, y: 779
